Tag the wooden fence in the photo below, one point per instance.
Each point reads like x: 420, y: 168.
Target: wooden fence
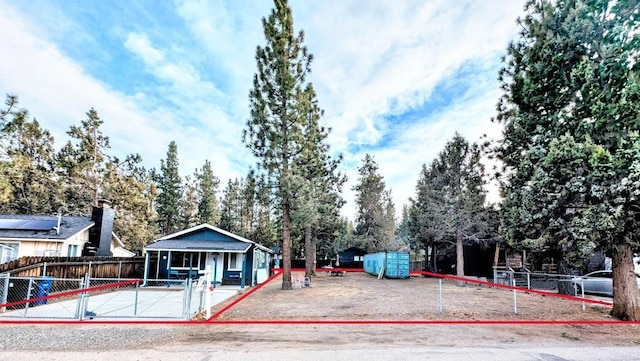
x: 75, y: 267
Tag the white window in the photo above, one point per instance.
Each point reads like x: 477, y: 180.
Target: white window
x: 8, y: 252
x: 235, y: 262
x: 72, y: 250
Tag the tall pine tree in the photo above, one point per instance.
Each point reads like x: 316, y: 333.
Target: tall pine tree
x: 570, y: 149
x: 275, y: 130
x: 27, y: 162
x: 375, y: 219
x: 128, y: 186
x: 169, y: 192
x: 81, y: 163
x: 449, y: 204
x: 208, y: 183
x: 317, y: 199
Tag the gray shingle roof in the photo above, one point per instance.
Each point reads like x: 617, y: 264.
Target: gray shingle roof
x: 68, y: 227
x: 179, y: 244
x: 206, y: 243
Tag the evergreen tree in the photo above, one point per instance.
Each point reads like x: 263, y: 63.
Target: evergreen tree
x: 81, y: 163
x: 403, y: 228
x: 275, y: 130
x: 248, y: 204
x: 26, y: 165
x: 375, y: 219
x: 570, y: 145
x: 265, y: 229
x: 317, y: 200
x: 229, y: 207
x: 245, y: 209
x: 449, y: 205
x: 10, y: 102
x: 426, y: 222
x: 169, y: 192
x: 36, y: 175
x: 189, y: 203
x: 207, y: 193
x: 128, y: 187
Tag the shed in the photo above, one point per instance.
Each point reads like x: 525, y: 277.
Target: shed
x: 352, y: 257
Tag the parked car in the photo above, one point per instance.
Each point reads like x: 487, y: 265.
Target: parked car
x: 597, y: 282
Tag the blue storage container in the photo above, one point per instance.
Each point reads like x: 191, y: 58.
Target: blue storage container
x: 395, y: 264
x: 373, y: 262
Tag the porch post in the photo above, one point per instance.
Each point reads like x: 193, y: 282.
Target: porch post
x: 207, y: 290
x: 244, y: 267
x: 169, y: 269
x: 215, y: 268
x: 146, y: 268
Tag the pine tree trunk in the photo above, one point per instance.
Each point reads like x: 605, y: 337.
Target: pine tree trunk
x: 626, y: 299
x: 286, y: 246
x: 314, y: 255
x: 433, y: 265
x: 459, y: 259
x: 308, y: 252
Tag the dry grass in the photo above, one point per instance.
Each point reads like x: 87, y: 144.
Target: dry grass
x: 358, y: 296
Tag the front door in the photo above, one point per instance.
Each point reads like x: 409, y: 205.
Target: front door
x: 215, y: 260
x: 163, y: 261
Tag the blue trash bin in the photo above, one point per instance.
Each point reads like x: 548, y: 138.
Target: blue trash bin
x: 42, y: 289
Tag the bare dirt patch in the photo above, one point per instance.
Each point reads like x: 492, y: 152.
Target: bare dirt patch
x: 363, y: 297
x: 358, y: 296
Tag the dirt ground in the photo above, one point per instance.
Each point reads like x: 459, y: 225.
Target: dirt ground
x: 358, y: 296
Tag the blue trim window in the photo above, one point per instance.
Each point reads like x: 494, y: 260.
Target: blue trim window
x: 235, y: 262
x: 186, y: 260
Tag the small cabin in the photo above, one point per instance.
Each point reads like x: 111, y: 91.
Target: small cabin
x: 234, y: 260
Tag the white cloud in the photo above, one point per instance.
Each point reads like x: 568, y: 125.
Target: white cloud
x: 372, y: 59
x: 58, y: 92
x: 385, y: 58
x: 139, y: 44
x: 54, y: 88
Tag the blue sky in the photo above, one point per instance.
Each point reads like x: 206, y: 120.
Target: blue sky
x: 396, y: 79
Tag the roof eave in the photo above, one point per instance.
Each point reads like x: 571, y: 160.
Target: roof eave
x: 210, y: 227
x: 194, y: 250
x: 19, y: 239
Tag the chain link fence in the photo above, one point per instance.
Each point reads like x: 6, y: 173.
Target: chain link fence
x: 538, y: 281
x: 93, y: 298
x: 436, y: 296
x: 527, y: 295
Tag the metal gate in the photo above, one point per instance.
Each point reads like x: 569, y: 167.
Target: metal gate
x: 47, y: 298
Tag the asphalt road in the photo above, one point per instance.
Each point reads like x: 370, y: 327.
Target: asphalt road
x: 208, y: 353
